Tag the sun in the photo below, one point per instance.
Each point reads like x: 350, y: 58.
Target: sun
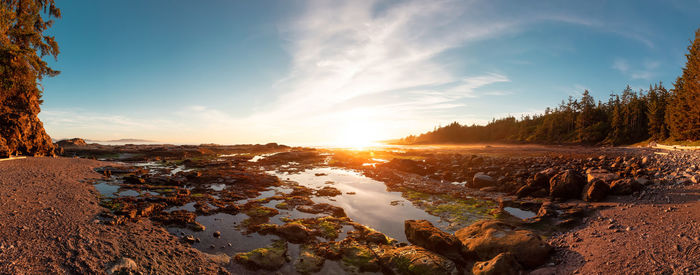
x: 359, y: 135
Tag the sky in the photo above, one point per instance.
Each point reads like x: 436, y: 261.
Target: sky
x: 344, y: 72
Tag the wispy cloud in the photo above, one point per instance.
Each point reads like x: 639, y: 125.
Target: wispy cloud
x: 645, y: 70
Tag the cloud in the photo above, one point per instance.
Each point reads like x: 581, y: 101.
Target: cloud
x: 645, y: 70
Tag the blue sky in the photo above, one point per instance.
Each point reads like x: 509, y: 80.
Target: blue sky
x: 344, y: 72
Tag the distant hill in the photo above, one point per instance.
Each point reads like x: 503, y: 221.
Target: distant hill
x: 124, y: 140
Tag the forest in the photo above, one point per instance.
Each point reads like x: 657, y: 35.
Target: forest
x: 657, y: 114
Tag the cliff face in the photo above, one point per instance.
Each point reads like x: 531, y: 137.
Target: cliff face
x: 21, y: 131
x: 24, y: 134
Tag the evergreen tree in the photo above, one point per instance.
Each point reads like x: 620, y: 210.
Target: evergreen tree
x: 683, y: 115
x: 586, y: 118
x: 23, y: 45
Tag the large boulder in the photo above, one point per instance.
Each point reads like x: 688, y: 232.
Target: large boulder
x: 503, y: 264
x: 481, y: 180
x: 595, y: 191
x: 416, y: 260
x: 541, y: 178
x: 625, y: 186
x: 567, y: 184
x: 423, y: 233
x: 485, y: 239
x: 271, y: 257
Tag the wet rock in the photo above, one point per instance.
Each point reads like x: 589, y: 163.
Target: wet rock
x: 308, y: 261
x: 358, y: 258
x: 485, y: 239
x: 424, y: 234
x: 323, y: 208
x: 124, y: 266
x: 481, y: 180
x: 406, y: 165
x: 261, y: 212
x: 217, y: 234
x: 328, y: 191
x: 416, y: 260
x: 189, y: 239
x: 503, y: 264
x: 294, y: 232
x: 271, y: 257
x: 597, y: 190
x: 567, y: 184
x: 625, y: 186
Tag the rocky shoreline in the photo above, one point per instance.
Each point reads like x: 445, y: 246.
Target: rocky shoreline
x: 482, y: 210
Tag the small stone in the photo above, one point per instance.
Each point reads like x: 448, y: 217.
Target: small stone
x: 217, y: 234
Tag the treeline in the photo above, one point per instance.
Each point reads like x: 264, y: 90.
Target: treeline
x: 628, y: 117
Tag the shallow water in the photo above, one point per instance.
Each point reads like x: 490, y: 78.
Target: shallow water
x: 107, y: 189
x: 371, y: 205
x: 519, y: 213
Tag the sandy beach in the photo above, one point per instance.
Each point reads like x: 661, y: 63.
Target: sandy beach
x: 49, y: 224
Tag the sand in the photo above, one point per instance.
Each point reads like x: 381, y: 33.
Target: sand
x: 48, y: 224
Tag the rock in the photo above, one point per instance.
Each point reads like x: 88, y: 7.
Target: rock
x: 416, y: 260
x: 373, y: 236
x: 323, y: 208
x: 485, y: 239
x: 124, y: 266
x: 695, y: 179
x: 21, y: 131
x: 567, y: 184
x: 406, y: 165
x: 503, y: 264
x: 219, y: 258
x: 541, y: 179
x: 595, y: 191
x: 358, y: 258
x: 308, y: 262
x: 217, y: 234
x: 189, y: 239
x: 261, y: 212
x: 271, y: 257
x: 294, y: 232
x: 547, y: 210
x: 481, y: 180
x: 328, y: 191
x: 601, y: 174
x: 71, y: 142
x: 423, y: 233
x: 625, y: 186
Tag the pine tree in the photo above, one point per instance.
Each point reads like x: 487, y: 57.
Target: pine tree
x: 585, y: 118
x: 683, y: 115
x: 656, y: 112
x: 23, y: 45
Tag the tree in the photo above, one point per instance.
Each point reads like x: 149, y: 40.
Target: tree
x: 657, y: 99
x: 683, y: 111
x: 23, y: 45
x: 585, y: 118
